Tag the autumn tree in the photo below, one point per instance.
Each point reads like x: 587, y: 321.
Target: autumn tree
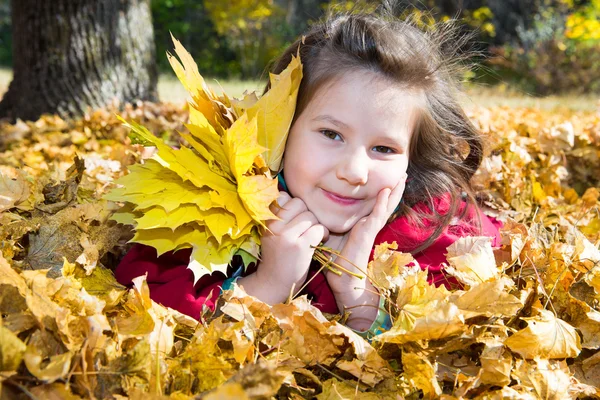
x: 250, y: 26
x: 72, y: 55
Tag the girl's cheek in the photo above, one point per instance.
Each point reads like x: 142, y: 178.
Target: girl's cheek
x: 390, y: 176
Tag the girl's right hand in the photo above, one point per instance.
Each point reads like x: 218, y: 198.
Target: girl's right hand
x: 286, y: 251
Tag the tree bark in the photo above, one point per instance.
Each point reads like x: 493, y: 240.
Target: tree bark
x: 70, y: 56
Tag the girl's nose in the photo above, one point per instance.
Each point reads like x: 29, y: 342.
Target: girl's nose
x: 354, y: 168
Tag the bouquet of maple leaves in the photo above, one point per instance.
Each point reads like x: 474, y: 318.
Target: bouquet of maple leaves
x: 213, y: 194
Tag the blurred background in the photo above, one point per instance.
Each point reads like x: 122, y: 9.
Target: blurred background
x: 544, y: 53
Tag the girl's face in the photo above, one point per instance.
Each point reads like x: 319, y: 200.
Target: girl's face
x: 349, y: 143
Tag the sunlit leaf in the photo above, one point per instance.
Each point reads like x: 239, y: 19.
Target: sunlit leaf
x: 472, y: 260
x: 546, y: 337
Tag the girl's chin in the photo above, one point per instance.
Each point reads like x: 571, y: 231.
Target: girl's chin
x: 338, y: 227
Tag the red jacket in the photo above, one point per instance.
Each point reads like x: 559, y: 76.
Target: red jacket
x: 172, y: 284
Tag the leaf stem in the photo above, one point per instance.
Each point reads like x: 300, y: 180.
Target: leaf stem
x: 332, y: 266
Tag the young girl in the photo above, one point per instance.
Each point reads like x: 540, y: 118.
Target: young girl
x: 379, y: 150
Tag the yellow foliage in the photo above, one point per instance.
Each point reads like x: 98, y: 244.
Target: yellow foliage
x: 213, y: 195
x: 64, y: 318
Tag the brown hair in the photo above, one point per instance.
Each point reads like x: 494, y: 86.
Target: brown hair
x: 446, y: 149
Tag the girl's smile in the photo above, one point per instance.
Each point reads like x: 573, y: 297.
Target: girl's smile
x: 350, y: 142
x: 342, y: 200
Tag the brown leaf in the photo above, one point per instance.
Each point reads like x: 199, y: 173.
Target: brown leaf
x: 14, y: 188
x: 60, y: 195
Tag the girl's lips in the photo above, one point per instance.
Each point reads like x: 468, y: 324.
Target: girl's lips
x: 345, y: 201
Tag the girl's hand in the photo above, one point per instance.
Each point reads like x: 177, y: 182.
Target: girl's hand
x: 356, y: 247
x: 367, y: 228
x: 286, y: 252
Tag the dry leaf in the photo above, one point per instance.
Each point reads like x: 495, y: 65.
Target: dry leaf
x: 12, y: 350
x: 545, y: 337
x: 14, y: 188
x: 472, y: 260
x: 333, y: 389
x: 421, y: 373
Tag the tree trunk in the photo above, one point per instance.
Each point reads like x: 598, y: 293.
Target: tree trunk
x: 510, y: 14
x: 70, y: 56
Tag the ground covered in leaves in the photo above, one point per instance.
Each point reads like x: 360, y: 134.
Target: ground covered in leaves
x: 524, y: 325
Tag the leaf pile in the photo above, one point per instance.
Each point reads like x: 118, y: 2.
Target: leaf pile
x: 525, y: 323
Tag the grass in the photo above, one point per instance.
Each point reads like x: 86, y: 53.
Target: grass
x: 502, y: 95
x: 169, y: 89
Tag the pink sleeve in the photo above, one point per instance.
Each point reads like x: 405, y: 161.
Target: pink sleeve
x: 171, y: 283
x: 409, y: 237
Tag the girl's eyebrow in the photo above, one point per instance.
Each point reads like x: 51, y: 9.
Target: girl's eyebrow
x: 329, y: 118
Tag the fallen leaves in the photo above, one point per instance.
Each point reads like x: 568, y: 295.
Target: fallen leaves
x: 524, y: 324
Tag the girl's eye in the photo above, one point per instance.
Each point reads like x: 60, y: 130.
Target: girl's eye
x: 330, y: 134
x: 383, y: 149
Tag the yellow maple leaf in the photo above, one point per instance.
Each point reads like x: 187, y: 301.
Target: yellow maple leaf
x: 184, y: 162
x: 203, y: 97
x: 274, y: 112
x: 241, y: 145
x: 258, y: 192
x: 208, y: 257
x: 150, y: 184
x: 545, y: 337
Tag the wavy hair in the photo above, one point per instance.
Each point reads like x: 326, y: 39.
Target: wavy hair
x: 445, y: 149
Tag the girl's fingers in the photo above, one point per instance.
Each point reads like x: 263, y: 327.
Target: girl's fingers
x: 290, y: 208
x: 281, y: 201
x: 283, y: 198
x: 299, y: 224
x: 315, y: 235
x: 381, y: 205
x: 396, y: 196
x: 385, y: 204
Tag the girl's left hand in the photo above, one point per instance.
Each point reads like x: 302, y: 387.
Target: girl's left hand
x: 356, y: 247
